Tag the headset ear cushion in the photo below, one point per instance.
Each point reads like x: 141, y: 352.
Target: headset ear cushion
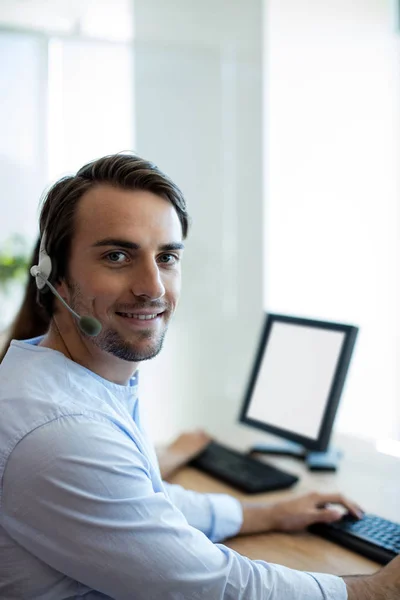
x: 43, y: 270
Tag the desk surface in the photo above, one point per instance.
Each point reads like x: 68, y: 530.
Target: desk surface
x: 368, y: 477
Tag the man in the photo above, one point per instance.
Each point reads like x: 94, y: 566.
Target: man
x: 83, y: 511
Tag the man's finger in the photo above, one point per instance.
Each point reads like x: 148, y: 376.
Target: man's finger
x: 353, y: 508
x: 326, y: 515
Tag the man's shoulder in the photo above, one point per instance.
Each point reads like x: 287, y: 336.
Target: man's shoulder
x: 29, y: 371
x: 40, y: 387
x: 35, y: 389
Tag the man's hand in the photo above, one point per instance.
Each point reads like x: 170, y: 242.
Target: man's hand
x: 189, y: 444
x: 384, y: 585
x: 295, y: 514
x: 181, y: 451
x: 300, y: 512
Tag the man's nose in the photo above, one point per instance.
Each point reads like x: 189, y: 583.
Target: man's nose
x: 147, y: 281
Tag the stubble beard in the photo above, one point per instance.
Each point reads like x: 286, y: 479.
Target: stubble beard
x: 109, y: 340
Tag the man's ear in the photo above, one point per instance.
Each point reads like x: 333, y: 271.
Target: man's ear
x: 63, y: 289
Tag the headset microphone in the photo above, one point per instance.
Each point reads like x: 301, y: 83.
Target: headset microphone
x: 41, y: 272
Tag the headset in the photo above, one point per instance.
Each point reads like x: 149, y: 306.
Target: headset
x: 41, y: 272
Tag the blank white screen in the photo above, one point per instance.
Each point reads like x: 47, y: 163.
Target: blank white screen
x: 295, y: 377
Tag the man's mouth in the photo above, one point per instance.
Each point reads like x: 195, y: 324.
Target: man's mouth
x: 139, y: 316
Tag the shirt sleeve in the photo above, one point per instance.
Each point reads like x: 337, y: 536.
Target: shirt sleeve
x: 218, y: 516
x: 78, y: 495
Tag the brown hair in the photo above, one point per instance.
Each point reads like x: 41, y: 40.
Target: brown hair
x: 124, y: 171
x: 31, y: 320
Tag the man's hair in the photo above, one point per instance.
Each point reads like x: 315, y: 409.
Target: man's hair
x: 57, y: 218
x: 31, y: 319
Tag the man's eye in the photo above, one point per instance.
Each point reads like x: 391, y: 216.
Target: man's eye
x: 168, y: 259
x: 116, y: 257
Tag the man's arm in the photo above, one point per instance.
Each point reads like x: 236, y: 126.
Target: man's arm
x: 383, y: 585
x: 359, y: 588
x: 78, y: 495
x: 295, y: 514
x: 292, y: 515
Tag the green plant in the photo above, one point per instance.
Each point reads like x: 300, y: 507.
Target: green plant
x: 14, y: 261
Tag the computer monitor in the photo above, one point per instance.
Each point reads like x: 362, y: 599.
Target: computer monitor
x: 297, y: 379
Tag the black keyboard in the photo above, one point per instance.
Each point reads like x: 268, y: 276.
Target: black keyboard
x: 241, y: 471
x: 372, y: 536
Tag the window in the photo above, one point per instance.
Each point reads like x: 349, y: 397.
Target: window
x: 63, y: 102
x: 332, y: 224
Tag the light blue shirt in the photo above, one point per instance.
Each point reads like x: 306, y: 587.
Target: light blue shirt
x: 84, y: 512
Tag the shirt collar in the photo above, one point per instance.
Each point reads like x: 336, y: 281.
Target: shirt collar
x: 116, y: 388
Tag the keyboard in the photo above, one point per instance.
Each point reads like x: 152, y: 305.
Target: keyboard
x: 241, y: 471
x: 372, y: 536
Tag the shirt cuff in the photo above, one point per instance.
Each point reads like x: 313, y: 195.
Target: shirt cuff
x: 332, y: 587
x: 227, y: 516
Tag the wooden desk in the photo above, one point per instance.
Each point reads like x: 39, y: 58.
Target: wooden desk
x: 368, y: 477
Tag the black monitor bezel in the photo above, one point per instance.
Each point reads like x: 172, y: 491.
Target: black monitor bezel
x: 321, y: 443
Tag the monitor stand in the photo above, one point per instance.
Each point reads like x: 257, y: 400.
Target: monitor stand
x: 315, y: 461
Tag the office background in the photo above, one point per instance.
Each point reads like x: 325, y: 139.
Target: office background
x: 280, y: 120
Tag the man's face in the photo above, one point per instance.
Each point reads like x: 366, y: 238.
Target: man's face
x: 125, y: 268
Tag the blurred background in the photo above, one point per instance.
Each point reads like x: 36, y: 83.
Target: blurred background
x: 279, y: 119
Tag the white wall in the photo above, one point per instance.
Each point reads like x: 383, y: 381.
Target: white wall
x: 198, y: 115
x: 332, y: 223
x: 90, y: 102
